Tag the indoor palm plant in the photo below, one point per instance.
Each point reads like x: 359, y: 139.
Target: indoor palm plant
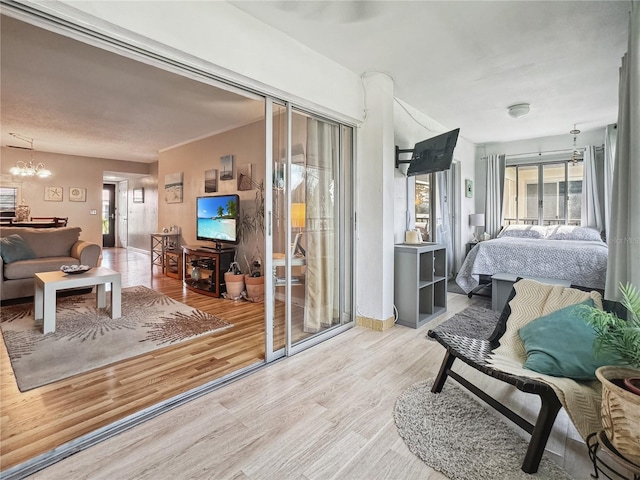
x: 620, y: 398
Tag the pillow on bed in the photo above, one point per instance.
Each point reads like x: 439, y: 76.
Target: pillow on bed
x: 560, y: 344
x: 568, y: 232
x: 523, y: 231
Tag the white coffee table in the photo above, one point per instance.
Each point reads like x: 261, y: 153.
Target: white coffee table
x: 48, y: 283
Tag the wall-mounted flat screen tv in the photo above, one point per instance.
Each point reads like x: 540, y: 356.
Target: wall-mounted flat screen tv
x: 434, y: 154
x: 217, y: 218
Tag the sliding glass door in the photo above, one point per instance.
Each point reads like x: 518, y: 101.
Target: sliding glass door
x: 311, y: 228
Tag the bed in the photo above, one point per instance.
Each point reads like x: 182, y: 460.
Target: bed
x: 564, y: 252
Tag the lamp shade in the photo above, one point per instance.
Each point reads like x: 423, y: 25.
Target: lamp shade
x: 298, y: 212
x: 476, y: 219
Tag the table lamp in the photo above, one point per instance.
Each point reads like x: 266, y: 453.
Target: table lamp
x: 476, y: 220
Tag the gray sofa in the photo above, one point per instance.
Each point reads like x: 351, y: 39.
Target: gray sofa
x: 51, y: 247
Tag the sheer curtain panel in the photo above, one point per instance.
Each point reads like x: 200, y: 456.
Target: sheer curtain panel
x: 495, y: 192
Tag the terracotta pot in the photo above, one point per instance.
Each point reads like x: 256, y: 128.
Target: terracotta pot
x: 234, y: 284
x: 620, y: 411
x: 255, y: 287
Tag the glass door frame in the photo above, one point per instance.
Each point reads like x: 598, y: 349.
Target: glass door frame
x: 342, y: 223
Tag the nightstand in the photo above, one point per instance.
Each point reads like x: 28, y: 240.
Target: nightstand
x: 470, y: 246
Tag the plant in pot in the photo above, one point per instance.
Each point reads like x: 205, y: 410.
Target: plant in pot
x: 620, y: 383
x: 251, y: 227
x: 234, y: 281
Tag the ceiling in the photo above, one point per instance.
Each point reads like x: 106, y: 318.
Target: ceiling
x: 464, y: 62
x: 461, y: 63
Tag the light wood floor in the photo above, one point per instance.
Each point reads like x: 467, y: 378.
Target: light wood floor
x: 41, y: 419
x: 326, y: 413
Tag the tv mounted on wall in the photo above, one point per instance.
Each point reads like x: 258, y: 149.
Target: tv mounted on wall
x: 217, y: 218
x: 434, y: 154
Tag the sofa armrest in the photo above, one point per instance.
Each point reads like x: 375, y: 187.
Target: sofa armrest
x: 86, y: 252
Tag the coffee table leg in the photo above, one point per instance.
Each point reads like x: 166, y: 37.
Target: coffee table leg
x: 101, y: 289
x: 49, y: 320
x: 116, y: 299
x: 38, y: 299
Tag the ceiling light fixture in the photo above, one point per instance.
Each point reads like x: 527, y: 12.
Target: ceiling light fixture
x: 576, y: 154
x: 30, y: 169
x: 519, y: 110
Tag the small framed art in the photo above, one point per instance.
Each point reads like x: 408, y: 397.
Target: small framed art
x: 77, y: 194
x: 53, y: 194
x: 468, y: 188
x: 138, y: 195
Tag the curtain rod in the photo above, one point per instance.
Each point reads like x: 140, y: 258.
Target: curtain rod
x: 544, y: 152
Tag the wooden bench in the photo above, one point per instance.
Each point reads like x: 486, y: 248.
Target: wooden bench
x: 475, y: 352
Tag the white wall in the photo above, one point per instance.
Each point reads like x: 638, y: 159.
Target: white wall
x: 412, y: 126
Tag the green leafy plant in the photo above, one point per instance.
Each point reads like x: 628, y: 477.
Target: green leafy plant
x: 616, y: 335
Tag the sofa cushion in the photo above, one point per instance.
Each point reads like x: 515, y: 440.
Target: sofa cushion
x: 28, y: 268
x: 48, y: 242
x: 560, y: 344
x: 14, y: 248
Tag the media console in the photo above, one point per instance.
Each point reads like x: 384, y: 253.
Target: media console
x: 203, y: 268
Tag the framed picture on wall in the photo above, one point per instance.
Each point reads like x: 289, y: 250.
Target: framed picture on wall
x: 468, y: 188
x: 53, y: 194
x: 77, y: 194
x: 173, y: 187
x: 226, y: 167
x: 211, y: 181
x: 245, y: 181
x: 138, y: 195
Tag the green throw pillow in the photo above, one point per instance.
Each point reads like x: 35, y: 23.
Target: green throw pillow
x: 561, y: 344
x: 13, y: 248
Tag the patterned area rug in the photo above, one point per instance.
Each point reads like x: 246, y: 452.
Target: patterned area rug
x: 87, y: 338
x: 456, y: 435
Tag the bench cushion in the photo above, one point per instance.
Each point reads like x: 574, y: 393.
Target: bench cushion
x: 561, y: 344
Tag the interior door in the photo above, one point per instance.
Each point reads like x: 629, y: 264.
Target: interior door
x: 108, y: 215
x: 123, y: 209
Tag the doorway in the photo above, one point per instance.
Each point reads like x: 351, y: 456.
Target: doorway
x: 108, y: 215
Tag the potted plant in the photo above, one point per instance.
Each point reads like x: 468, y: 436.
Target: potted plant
x: 251, y: 226
x: 254, y: 281
x: 234, y: 281
x: 620, y: 398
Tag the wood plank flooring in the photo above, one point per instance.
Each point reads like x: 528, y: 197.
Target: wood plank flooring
x: 41, y: 419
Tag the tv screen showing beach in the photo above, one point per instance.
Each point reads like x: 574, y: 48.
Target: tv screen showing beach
x: 216, y: 218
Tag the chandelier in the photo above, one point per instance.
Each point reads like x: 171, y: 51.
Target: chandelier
x: 30, y: 169
x: 576, y: 154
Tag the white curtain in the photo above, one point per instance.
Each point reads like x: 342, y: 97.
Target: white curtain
x: 443, y: 225
x: 624, y: 238
x: 610, y: 140
x: 591, y: 209
x: 321, y: 289
x: 495, y: 192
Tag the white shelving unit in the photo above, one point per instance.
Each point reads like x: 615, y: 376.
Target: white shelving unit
x: 420, y: 282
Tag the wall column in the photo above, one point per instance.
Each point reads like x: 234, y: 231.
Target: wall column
x: 375, y: 208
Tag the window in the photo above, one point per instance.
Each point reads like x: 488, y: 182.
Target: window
x: 8, y: 201
x: 422, y: 204
x: 543, y: 194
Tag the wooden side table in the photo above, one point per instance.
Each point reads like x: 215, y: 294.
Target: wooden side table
x: 173, y: 264
x: 161, y: 243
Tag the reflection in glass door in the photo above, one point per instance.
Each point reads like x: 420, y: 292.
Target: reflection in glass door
x: 312, y: 284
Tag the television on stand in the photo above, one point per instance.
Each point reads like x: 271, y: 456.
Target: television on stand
x: 217, y: 219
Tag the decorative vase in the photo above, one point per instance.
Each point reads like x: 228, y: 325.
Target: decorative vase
x: 234, y: 283
x: 620, y: 411
x: 255, y: 288
x: 196, y: 274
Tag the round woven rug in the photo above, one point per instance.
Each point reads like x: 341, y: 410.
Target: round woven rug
x: 454, y: 434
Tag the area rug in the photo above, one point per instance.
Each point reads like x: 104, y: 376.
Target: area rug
x: 455, y: 435
x: 87, y: 338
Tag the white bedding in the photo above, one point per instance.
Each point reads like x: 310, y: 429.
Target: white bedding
x: 584, y: 263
